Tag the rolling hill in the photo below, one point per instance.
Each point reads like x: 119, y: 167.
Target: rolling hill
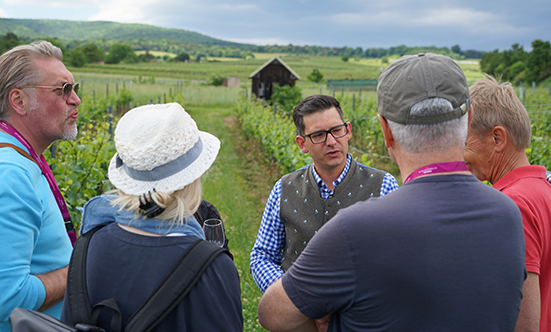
x: 98, y: 30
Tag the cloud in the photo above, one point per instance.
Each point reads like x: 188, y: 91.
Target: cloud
x: 171, y: 13
x: 56, y: 3
x: 261, y: 41
x: 456, y: 18
x: 473, y: 21
x: 3, y: 13
x: 123, y: 11
x: 431, y: 24
x: 473, y: 24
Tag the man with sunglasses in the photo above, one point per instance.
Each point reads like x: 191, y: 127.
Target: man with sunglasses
x: 38, y: 105
x: 303, y: 201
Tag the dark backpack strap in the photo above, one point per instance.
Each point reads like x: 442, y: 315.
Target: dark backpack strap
x: 116, y: 320
x: 175, y: 286
x: 18, y: 149
x: 77, y: 301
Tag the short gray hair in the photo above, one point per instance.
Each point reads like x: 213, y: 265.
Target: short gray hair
x: 17, y: 68
x: 496, y: 104
x: 432, y: 137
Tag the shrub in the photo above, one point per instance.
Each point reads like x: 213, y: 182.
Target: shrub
x: 315, y: 76
x: 77, y: 58
x: 286, y: 97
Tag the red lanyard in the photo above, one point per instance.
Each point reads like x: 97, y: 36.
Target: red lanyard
x: 454, y: 166
x: 41, y: 162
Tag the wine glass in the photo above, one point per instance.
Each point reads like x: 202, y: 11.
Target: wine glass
x: 214, y: 231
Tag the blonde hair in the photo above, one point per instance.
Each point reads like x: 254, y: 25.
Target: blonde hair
x: 496, y: 104
x: 178, y: 206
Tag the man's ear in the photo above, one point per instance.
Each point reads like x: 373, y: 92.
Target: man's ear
x: 387, y: 134
x: 469, y: 117
x: 18, y: 99
x: 301, y: 141
x: 500, y: 138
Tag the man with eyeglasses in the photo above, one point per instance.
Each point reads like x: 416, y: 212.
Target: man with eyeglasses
x: 303, y: 201
x: 444, y: 252
x: 38, y: 105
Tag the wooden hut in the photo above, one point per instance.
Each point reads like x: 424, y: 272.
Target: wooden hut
x: 274, y: 71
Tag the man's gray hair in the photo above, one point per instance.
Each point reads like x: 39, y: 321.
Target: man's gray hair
x: 17, y: 68
x: 432, y: 137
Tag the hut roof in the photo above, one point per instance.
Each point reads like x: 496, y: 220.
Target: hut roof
x: 276, y: 58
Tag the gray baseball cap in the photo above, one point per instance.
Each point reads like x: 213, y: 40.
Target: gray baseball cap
x: 413, y: 78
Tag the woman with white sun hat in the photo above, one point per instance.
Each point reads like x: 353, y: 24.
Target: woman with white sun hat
x: 161, y: 156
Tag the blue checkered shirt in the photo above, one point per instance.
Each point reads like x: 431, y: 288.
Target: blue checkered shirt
x: 267, y: 252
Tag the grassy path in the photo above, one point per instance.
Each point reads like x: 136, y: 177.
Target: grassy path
x: 238, y: 184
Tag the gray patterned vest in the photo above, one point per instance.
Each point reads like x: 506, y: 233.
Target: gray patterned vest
x: 303, y: 210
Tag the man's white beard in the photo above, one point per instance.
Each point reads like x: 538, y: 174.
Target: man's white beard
x: 70, y: 135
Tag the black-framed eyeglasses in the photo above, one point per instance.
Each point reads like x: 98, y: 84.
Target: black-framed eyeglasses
x: 67, y: 88
x: 319, y: 137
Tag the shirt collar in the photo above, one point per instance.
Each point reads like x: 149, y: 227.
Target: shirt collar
x: 341, y: 177
x: 532, y: 171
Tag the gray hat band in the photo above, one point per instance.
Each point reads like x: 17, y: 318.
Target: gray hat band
x: 166, y: 170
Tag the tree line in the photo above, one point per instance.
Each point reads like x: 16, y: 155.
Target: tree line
x: 516, y: 65
x: 80, y: 54
x: 80, y: 51
x: 245, y: 51
x: 350, y: 52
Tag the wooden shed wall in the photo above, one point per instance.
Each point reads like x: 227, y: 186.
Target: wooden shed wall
x: 270, y: 75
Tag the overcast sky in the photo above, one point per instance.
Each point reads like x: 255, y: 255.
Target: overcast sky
x: 472, y: 24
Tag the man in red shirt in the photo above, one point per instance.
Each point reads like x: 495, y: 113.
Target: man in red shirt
x: 495, y: 151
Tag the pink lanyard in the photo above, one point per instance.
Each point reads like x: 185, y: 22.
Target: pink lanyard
x: 49, y: 177
x: 454, y: 166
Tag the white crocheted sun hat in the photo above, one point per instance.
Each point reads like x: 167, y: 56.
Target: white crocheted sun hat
x: 159, y: 147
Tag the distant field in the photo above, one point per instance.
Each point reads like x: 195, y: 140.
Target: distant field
x: 194, y: 72
x: 157, y: 53
x: 214, y: 58
x: 267, y: 56
x: 471, y: 68
x: 257, y: 56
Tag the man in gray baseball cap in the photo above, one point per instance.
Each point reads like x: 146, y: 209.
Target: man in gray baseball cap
x: 445, y: 252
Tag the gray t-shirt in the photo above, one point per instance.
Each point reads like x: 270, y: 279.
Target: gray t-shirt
x: 442, y: 253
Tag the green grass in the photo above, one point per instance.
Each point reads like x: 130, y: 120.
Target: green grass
x: 157, y: 90
x: 238, y: 184
x: 178, y: 71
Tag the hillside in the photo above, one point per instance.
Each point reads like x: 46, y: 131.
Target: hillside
x: 73, y: 34
x: 98, y: 30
